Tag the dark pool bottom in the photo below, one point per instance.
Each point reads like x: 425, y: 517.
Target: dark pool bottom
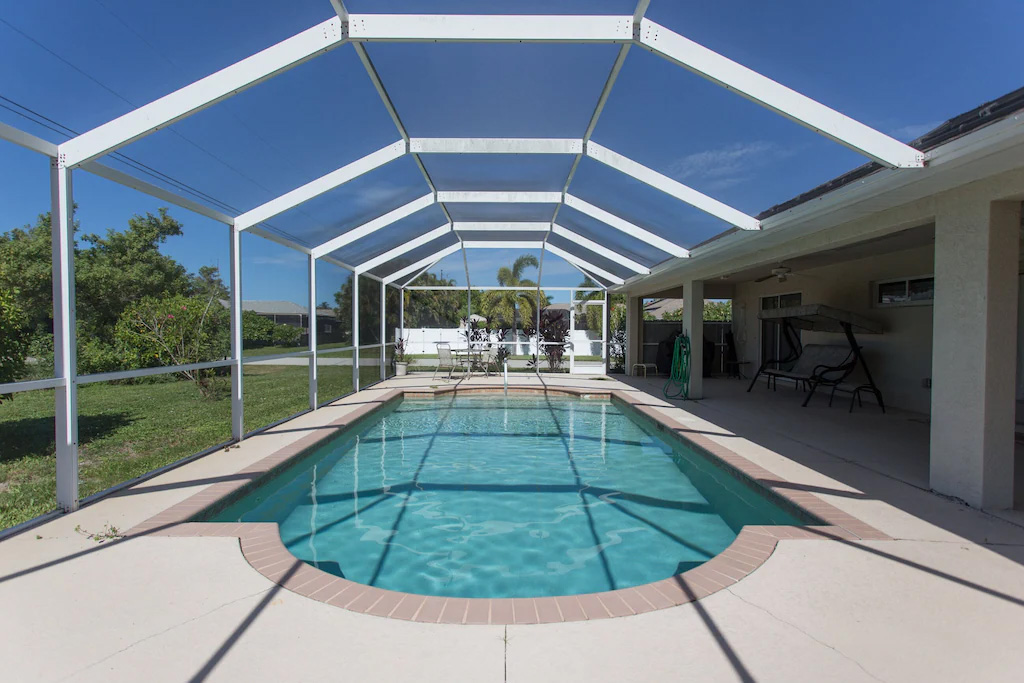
x: 500, y: 497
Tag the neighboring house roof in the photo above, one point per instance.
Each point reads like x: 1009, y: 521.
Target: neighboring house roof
x: 269, y: 307
x: 659, y: 307
x: 274, y: 307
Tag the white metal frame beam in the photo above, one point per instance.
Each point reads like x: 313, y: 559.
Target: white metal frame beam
x: 495, y: 145
x: 201, y: 94
x: 434, y: 28
x: 391, y: 254
x: 501, y: 226
x: 777, y: 97
x: 599, y: 249
x: 503, y: 244
x: 323, y: 184
x: 374, y: 225
x: 27, y: 140
x: 577, y: 261
x: 671, y: 187
x: 479, y: 197
x: 625, y: 226
x: 427, y: 261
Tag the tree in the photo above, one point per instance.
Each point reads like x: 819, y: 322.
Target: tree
x: 592, y: 315
x: 121, y: 268
x: 718, y: 310
x: 26, y: 255
x: 434, y: 308
x: 714, y: 310
x: 369, y: 306
x: 14, y: 338
x: 508, y: 306
x: 174, y: 330
x: 207, y: 284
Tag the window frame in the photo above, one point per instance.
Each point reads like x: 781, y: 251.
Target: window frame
x: 906, y: 280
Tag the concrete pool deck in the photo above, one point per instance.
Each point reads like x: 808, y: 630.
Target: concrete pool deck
x: 943, y: 600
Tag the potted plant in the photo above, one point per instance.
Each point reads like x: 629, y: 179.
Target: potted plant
x: 401, y: 360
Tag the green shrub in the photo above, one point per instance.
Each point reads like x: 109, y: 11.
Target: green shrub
x: 174, y: 330
x: 286, y: 335
x: 258, y: 330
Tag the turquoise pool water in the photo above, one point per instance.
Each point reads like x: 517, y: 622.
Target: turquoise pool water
x: 505, y: 497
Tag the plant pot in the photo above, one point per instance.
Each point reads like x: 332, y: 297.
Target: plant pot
x: 401, y: 369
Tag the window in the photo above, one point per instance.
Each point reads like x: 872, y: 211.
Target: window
x: 327, y: 328
x: 913, y: 291
x: 774, y: 344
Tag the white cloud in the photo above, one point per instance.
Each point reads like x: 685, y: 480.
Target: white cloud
x: 286, y: 261
x: 913, y: 131
x: 727, y: 166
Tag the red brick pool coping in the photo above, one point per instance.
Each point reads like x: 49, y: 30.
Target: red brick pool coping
x: 262, y: 547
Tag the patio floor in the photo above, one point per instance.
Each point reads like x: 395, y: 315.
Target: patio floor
x: 944, y: 600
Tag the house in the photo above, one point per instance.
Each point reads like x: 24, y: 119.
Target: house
x: 933, y: 256
x: 328, y: 329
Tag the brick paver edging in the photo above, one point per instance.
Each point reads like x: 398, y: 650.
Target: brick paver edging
x: 262, y: 547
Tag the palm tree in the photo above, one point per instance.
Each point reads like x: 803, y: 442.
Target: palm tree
x: 511, y: 306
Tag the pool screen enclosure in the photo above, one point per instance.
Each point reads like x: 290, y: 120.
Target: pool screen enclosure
x: 437, y: 210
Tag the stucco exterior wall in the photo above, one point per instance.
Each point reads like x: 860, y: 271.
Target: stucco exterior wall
x: 899, y: 359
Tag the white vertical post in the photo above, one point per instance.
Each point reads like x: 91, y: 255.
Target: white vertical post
x: 237, y: 406
x: 693, y: 326
x: 572, y: 331
x: 606, y: 334
x: 401, y: 313
x: 383, y: 330
x: 313, y: 370
x: 355, y: 331
x: 540, y: 272
x: 634, y: 328
x: 65, y: 355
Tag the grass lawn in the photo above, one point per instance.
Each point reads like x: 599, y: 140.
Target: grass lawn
x: 275, y: 350
x: 129, y: 429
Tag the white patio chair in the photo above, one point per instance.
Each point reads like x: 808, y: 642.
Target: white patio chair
x: 488, y: 358
x: 445, y: 360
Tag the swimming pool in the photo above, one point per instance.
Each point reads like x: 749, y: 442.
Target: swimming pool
x: 495, y: 496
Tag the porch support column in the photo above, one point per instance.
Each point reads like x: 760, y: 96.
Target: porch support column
x: 401, y: 314
x: 606, y: 319
x: 237, y: 383
x: 974, y: 342
x: 313, y: 370
x: 634, y: 320
x: 572, y: 331
x: 355, y: 332
x: 65, y: 342
x: 383, y: 330
x: 693, y: 327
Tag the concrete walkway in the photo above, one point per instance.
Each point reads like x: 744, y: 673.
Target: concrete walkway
x: 942, y: 602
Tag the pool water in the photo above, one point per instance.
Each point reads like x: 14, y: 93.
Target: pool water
x: 488, y: 496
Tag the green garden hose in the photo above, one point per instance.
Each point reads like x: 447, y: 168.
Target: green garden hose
x: 678, y: 384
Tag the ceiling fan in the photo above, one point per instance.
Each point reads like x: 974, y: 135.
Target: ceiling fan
x: 781, y: 273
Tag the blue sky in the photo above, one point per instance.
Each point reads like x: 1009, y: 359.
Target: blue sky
x: 902, y: 67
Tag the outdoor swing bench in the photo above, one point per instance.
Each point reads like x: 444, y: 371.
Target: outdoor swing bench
x: 820, y: 365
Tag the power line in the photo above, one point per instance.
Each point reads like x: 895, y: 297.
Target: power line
x: 134, y: 163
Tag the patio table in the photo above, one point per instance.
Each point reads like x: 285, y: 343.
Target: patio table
x: 471, y: 358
